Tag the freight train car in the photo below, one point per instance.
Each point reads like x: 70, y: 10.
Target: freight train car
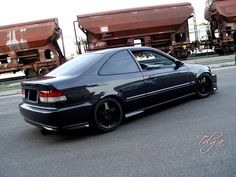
x: 221, y: 15
x: 31, y: 47
x: 164, y: 27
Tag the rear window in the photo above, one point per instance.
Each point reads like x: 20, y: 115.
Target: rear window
x: 76, y: 66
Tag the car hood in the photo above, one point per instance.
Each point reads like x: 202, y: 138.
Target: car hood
x: 197, y: 66
x: 198, y: 69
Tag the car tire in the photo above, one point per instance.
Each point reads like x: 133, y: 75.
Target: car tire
x: 204, y: 86
x: 108, y: 115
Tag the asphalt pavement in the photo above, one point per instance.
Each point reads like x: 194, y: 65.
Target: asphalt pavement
x: 189, y: 138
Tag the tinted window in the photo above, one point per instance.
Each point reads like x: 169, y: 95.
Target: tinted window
x: 76, y: 66
x: 152, y: 60
x: 120, y: 63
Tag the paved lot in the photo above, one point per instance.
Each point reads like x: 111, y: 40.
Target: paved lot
x: 165, y: 142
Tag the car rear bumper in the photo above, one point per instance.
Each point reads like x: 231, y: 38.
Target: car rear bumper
x: 56, y: 119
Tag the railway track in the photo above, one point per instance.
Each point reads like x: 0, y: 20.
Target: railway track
x: 203, y: 54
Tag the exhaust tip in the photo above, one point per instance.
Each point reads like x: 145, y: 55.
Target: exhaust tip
x: 48, y: 130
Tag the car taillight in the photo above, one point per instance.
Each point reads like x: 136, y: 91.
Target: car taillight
x: 23, y: 93
x: 51, y: 96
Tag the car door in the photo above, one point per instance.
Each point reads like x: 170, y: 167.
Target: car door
x: 124, y: 77
x: 163, y: 79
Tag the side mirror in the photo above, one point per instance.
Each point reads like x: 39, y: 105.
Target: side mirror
x: 178, y: 64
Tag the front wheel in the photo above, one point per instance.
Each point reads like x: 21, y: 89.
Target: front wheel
x: 108, y: 114
x: 204, y: 86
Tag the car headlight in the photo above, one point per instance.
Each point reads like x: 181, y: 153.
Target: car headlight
x: 209, y: 69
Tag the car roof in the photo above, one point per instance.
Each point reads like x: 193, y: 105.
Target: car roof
x: 112, y: 50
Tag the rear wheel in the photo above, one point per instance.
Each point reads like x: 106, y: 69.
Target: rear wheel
x: 107, y: 115
x: 204, y: 86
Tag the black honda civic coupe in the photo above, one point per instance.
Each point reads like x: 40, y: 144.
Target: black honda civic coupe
x: 101, y: 88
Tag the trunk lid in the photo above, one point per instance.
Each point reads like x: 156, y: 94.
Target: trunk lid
x: 44, y: 91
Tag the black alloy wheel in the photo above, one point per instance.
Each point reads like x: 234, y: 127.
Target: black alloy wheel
x: 204, y: 86
x: 107, y: 115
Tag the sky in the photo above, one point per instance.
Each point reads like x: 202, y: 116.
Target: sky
x: 17, y: 11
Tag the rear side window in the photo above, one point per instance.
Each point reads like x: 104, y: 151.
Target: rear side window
x: 120, y: 63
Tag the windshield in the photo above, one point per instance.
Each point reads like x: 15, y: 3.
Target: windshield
x: 76, y: 65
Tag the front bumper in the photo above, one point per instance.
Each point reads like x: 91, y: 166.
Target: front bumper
x: 56, y: 119
x: 214, y: 82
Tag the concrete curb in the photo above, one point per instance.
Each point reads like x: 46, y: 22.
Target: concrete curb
x: 222, y: 65
x: 10, y: 93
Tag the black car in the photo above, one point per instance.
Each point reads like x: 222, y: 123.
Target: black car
x: 101, y: 88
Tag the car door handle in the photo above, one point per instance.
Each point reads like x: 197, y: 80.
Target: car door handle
x: 153, y: 77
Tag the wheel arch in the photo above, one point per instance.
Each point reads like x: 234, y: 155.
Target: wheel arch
x: 205, y: 74
x: 116, y: 97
